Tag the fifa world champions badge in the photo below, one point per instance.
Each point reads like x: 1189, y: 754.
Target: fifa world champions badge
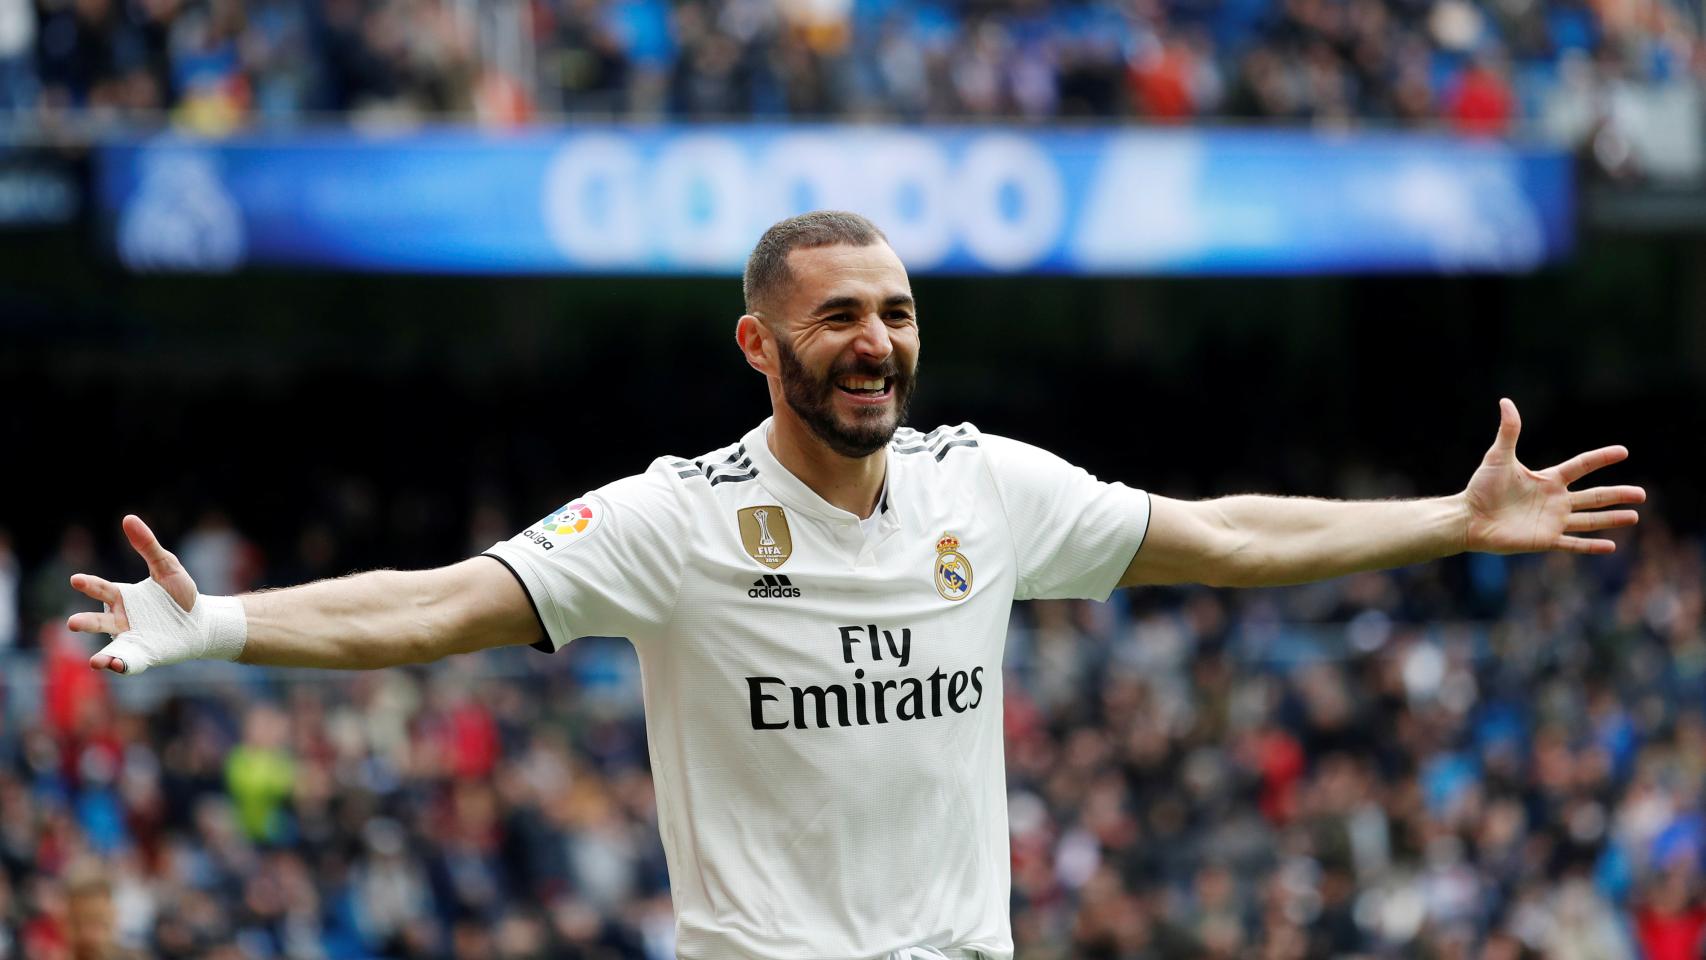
x: 764, y: 532
x: 953, y: 570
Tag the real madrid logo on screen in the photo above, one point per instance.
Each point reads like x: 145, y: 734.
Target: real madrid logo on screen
x: 953, y: 570
x: 572, y: 521
x: 764, y: 533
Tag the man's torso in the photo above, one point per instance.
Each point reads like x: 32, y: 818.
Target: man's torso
x: 824, y: 711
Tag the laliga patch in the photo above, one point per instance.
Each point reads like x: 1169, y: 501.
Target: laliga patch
x: 571, y: 522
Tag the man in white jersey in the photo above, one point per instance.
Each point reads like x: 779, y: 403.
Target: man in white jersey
x: 820, y: 609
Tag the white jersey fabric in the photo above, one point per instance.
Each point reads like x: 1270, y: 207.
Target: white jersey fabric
x: 823, y: 708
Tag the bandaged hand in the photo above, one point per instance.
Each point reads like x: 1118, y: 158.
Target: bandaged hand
x: 161, y: 620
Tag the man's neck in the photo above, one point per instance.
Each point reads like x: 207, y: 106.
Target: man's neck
x: 852, y: 484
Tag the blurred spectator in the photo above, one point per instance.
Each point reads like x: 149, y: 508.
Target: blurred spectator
x: 217, y: 557
x: 583, y: 69
x: 49, y: 597
x: 9, y: 594
x: 17, y: 45
x: 260, y: 775
x: 90, y: 917
x: 1670, y: 921
x: 1481, y: 101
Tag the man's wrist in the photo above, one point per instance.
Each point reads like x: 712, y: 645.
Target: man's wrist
x: 1458, y: 509
x: 227, y: 627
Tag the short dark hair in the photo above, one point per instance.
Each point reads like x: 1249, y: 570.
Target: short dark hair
x: 767, y: 269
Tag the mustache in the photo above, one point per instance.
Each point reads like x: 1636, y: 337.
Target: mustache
x: 888, y: 368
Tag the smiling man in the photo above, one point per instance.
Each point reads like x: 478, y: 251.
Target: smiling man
x: 820, y: 610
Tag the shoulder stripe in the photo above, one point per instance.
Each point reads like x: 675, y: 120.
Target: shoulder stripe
x: 967, y: 442
x: 727, y: 464
x: 907, y: 435
x: 935, y: 442
x: 729, y: 469
x: 722, y: 471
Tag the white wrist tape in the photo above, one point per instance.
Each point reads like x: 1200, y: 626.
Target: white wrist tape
x: 161, y: 632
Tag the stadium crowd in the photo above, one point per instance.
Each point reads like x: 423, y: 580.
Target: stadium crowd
x: 1480, y: 758
x: 213, y: 65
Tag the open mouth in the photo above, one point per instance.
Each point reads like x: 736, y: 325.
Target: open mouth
x: 866, y: 388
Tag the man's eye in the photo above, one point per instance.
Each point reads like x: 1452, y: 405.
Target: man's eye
x: 898, y: 316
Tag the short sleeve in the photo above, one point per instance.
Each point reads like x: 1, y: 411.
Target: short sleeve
x: 606, y: 564
x: 1073, y: 535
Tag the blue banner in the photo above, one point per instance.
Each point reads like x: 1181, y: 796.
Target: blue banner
x: 974, y: 200
x: 38, y: 188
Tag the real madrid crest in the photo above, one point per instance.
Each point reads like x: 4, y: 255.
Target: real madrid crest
x: 764, y: 533
x: 953, y: 570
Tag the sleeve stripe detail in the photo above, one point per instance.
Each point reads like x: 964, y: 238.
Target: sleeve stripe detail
x: 913, y: 436
x: 740, y: 452
x: 733, y: 478
x: 933, y: 442
x: 543, y: 644
x: 1149, y: 501
x: 968, y: 442
x: 728, y: 469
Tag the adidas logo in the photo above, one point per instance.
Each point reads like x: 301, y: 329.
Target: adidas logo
x: 773, y: 585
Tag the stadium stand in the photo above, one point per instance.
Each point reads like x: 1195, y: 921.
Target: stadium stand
x: 1491, y: 757
x: 1486, y: 66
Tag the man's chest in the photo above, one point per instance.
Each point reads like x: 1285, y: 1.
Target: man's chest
x: 806, y: 599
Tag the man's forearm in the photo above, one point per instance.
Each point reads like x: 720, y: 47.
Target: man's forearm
x: 377, y: 619
x: 1271, y: 541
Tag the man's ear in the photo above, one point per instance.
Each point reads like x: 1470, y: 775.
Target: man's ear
x: 753, y: 336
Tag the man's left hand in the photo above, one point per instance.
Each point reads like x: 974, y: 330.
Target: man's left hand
x: 1513, y: 509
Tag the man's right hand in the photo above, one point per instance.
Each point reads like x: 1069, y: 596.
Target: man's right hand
x: 163, y: 570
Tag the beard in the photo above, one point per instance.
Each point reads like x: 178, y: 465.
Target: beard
x: 813, y: 399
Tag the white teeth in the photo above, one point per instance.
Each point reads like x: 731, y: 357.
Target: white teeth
x: 852, y: 384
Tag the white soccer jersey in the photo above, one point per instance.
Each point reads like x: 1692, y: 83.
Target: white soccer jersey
x: 823, y: 707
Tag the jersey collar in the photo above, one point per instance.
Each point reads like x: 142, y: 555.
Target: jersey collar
x: 791, y: 489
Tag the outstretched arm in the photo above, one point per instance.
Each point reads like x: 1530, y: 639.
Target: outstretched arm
x: 1253, y: 541
x: 378, y: 619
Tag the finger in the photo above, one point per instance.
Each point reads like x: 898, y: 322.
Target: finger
x: 95, y: 588
x: 123, y: 655
x: 1583, y: 464
x: 1604, y: 520
x: 101, y: 661
x: 1510, y: 424
x: 1583, y: 545
x: 94, y: 623
x: 1596, y: 497
x: 161, y: 563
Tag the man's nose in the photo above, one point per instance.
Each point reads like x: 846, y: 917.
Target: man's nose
x: 873, y: 339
